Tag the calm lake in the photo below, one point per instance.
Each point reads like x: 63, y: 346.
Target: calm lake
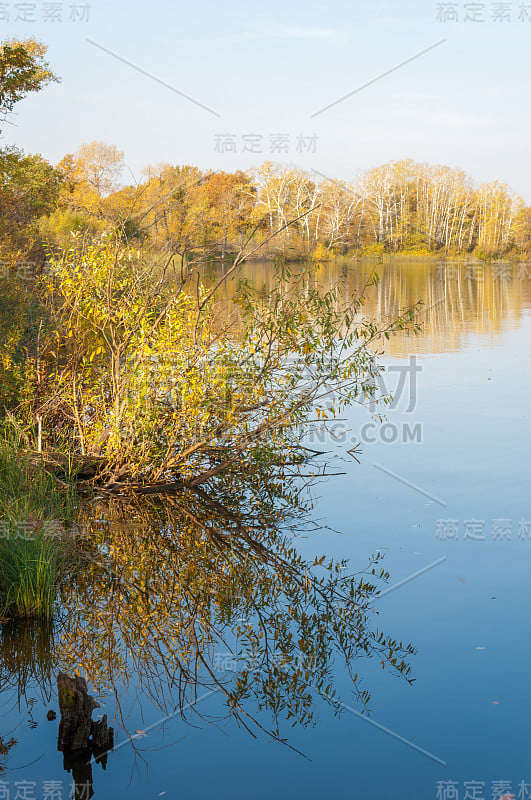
x: 440, y: 488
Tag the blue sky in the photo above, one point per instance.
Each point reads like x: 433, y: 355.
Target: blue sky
x: 265, y: 69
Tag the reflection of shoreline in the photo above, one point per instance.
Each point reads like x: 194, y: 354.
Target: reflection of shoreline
x: 458, y: 299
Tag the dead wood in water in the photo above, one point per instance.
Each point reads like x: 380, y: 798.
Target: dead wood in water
x: 61, y: 465
x: 77, y: 729
x: 80, y: 737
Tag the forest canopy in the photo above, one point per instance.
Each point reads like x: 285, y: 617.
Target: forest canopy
x: 402, y: 206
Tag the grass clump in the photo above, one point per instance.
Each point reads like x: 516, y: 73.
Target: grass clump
x: 34, y: 514
x: 30, y: 572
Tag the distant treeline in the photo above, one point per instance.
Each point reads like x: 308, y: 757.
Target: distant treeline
x: 403, y: 206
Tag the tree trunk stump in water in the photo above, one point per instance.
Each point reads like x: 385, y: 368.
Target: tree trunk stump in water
x: 80, y: 736
x: 76, y: 707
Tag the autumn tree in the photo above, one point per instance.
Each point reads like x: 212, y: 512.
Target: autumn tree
x: 522, y: 227
x: 92, y: 174
x: 29, y: 190
x: 23, y: 69
x: 338, y: 219
x: 229, y: 199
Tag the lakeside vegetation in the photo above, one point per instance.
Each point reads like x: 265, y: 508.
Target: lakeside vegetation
x: 400, y: 207
x: 119, y: 355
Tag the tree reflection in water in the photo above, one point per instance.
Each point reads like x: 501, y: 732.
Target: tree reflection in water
x: 187, y: 592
